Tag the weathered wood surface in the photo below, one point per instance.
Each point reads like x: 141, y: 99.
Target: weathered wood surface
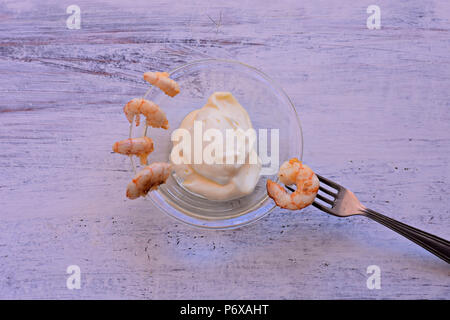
x: 374, y: 106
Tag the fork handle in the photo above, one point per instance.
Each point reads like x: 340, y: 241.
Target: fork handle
x: 437, y: 246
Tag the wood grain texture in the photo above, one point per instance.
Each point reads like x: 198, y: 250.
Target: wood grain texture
x: 374, y: 106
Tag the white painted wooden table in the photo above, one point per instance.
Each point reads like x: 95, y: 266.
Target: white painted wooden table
x: 374, y: 106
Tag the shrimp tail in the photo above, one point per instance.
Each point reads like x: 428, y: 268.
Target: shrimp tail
x: 162, y: 81
x: 143, y: 158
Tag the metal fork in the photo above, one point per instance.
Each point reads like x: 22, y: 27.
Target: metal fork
x: 343, y: 203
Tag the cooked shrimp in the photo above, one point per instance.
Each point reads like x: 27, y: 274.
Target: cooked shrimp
x: 294, y: 171
x: 162, y: 81
x: 141, y: 147
x: 148, y: 179
x: 155, y: 116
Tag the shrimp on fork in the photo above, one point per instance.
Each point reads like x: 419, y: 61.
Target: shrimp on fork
x: 148, y: 179
x: 162, y: 81
x: 140, y: 147
x: 294, y: 172
x: 155, y: 117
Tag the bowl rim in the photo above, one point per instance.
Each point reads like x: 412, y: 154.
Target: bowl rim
x: 190, y: 220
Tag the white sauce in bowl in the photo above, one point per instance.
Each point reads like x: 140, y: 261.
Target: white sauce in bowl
x: 233, y: 172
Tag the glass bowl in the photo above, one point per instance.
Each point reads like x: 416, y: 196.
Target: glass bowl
x: 268, y: 107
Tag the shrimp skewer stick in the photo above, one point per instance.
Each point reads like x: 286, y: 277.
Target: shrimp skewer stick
x: 140, y: 147
x: 155, y: 117
x: 294, y: 172
x: 148, y: 179
x: 162, y: 81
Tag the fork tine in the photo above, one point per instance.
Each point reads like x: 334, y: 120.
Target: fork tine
x: 325, y: 181
x: 321, y: 207
x: 318, y: 196
x: 290, y: 188
x: 327, y: 191
x: 315, y: 203
x: 328, y: 182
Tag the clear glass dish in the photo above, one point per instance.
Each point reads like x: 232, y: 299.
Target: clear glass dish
x: 268, y: 107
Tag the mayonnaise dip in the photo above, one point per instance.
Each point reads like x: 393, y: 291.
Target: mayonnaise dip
x: 232, y: 172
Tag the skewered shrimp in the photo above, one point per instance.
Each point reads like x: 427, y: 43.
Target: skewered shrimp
x: 141, y: 147
x: 162, y: 81
x: 148, y: 179
x: 155, y: 116
x: 293, y: 171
